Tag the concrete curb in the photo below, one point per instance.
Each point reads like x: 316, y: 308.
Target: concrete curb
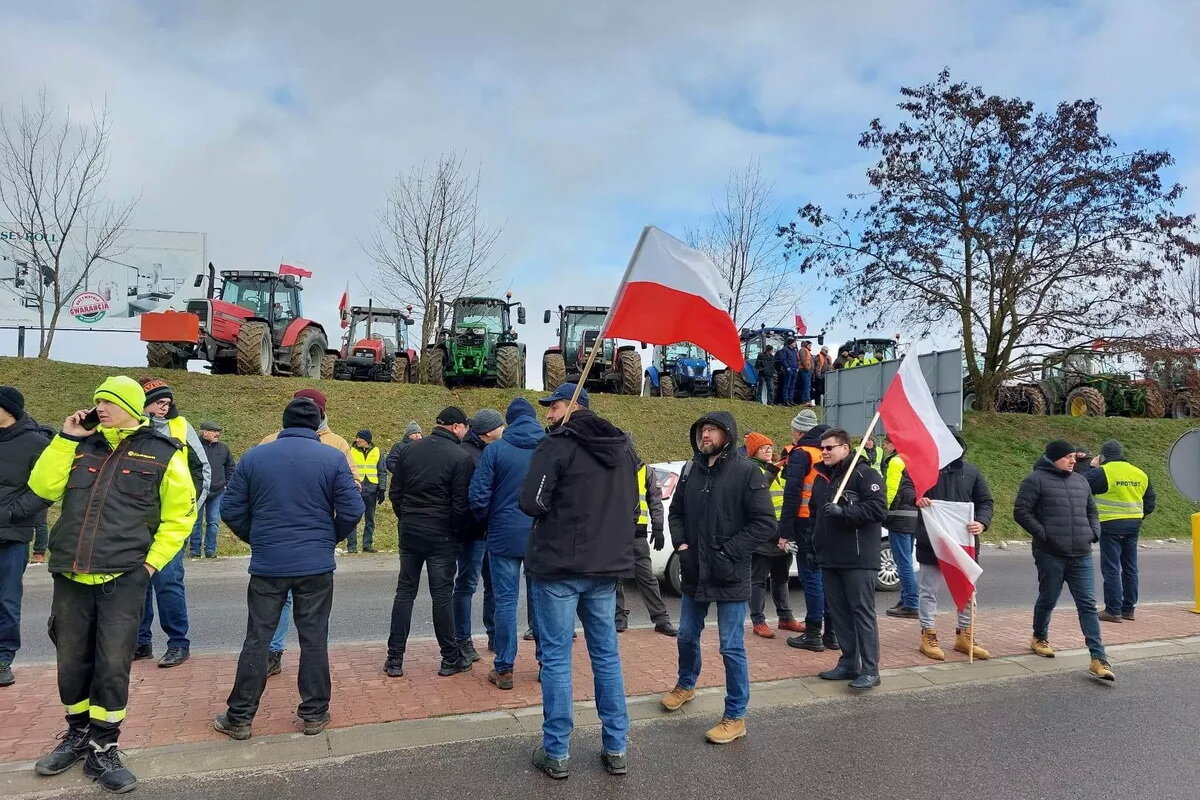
x: 281, y: 750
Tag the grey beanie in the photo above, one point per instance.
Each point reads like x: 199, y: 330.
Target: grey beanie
x: 413, y: 427
x: 1112, y: 450
x: 486, y: 420
x: 805, y: 421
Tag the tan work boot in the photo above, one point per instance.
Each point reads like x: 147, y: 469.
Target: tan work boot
x: 964, y: 644
x: 674, y: 699
x: 1041, y: 647
x: 929, y: 645
x: 726, y: 731
x: 1102, y: 670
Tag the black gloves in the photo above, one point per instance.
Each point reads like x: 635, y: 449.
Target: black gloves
x: 834, y: 511
x: 657, y: 540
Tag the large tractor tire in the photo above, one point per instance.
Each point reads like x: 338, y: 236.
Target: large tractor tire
x: 255, y: 350
x: 729, y: 384
x: 510, y: 372
x: 631, y: 373
x: 1086, y: 401
x: 554, y: 371
x: 666, y: 386
x: 327, y: 362
x: 1154, y: 403
x: 159, y: 355
x: 435, y: 367
x: 400, y: 369
x: 1035, y: 400
x: 1182, y: 406
x: 307, y: 353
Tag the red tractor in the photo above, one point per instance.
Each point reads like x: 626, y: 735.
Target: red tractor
x: 252, y: 325
x: 383, y: 353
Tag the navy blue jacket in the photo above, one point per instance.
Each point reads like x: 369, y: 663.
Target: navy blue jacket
x: 292, y: 500
x: 787, y: 358
x: 496, y: 485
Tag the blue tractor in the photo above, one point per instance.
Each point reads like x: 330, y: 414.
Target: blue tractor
x: 678, y: 370
x: 742, y: 385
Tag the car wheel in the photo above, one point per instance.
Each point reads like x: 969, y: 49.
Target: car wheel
x: 673, y: 578
x: 888, y: 579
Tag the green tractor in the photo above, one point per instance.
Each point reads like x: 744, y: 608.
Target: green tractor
x: 1085, y: 385
x: 617, y: 368
x: 477, y: 344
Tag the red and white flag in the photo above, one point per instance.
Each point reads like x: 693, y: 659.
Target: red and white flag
x: 946, y: 523
x: 801, y: 327
x: 915, y: 427
x: 289, y: 269
x: 344, y: 306
x: 673, y: 293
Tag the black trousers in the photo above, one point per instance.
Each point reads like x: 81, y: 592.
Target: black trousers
x: 647, y: 584
x: 773, y: 570
x: 94, y: 628
x: 312, y: 600
x: 850, y: 598
x: 440, y: 554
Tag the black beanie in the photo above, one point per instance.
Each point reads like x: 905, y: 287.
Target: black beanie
x: 452, y: 415
x: 1059, y: 448
x: 12, y: 401
x: 302, y: 413
x: 365, y: 435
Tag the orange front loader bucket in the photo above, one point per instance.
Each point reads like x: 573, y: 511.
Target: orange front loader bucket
x: 170, y: 326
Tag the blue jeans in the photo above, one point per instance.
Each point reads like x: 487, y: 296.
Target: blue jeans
x: 1079, y: 575
x: 506, y: 587
x: 805, y: 385
x: 1118, y: 567
x: 13, y: 558
x: 788, y: 395
x: 167, y: 586
x: 902, y: 551
x: 731, y: 622
x: 466, y: 580
x: 285, y: 620
x: 766, y: 390
x: 557, y: 603
x: 208, y: 521
x: 814, y: 589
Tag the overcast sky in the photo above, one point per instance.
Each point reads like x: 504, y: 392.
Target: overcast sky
x: 276, y: 127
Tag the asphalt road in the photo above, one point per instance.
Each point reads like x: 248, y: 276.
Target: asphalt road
x: 365, y: 584
x: 1061, y: 736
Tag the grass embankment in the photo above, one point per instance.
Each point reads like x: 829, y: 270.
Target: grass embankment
x: 1004, y: 445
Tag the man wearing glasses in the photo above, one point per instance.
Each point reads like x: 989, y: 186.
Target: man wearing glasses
x: 846, y: 541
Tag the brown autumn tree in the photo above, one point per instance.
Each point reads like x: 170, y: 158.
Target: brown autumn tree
x: 1024, y: 229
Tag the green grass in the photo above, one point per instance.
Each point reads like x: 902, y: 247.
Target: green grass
x: 1004, y: 445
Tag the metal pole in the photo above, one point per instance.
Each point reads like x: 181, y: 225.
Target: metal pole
x: 21, y: 341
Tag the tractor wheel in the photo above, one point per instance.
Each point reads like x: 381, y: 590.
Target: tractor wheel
x: 327, y: 362
x: 509, y: 373
x: 554, y: 371
x: 1182, y: 406
x: 666, y: 386
x: 435, y: 367
x: 730, y: 384
x: 1035, y: 401
x: 255, y: 350
x: 307, y: 353
x: 631, y: 373
x: 1154, y: 405
x: 400, y: 369
x: 159, y: 355
x: 1085, y: 401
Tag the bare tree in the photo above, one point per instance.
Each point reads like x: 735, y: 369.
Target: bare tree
x: 431, y: 241
x: 52, y: 171
x: 741, y: 240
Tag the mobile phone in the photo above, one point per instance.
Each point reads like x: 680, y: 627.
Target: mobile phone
x: 90, y: 420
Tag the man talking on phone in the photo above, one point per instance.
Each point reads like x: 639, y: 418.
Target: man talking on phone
x: 127, y: 505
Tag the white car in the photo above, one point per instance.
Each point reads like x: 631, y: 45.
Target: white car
x: 665, y: 562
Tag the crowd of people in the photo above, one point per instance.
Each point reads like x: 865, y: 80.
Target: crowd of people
x: 483, y: 499
x: 795, y: 376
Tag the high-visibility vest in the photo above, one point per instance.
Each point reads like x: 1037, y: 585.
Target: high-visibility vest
x: 852, y: 363
x: 874, y: 461
x: 776, y: 486
x: 814, y: 458
x: 868, y: 360
x: 177, y: 427
x: 893, y: 472
x: 643, y: 519
x: 366, y: 463
x: 1126, y: 487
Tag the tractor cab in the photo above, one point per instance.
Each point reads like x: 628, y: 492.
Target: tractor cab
x: 477, y: 343
x: 266, y: 295
x: 580, y: 330
x: 889, y: 349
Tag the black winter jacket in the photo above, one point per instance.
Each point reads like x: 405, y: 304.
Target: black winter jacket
x: 764, y: 365
x: 722, y: 513
x: 581, y: 490
x: 20, y: 445
x: 798, y: 464
x: 853, y: 540
x: 959, y: 481
x: 1057, y: 510
x: 220, y: 464
x: 429, y: 486
x: 473, y: 446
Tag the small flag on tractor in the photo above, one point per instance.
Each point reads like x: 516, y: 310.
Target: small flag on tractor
x: 801, y: 328
x: 344, y: 306
x: 288, y: 269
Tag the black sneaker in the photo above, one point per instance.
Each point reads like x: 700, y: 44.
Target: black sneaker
x: 221, y: 724
x: 72, y: 746
x: 830, y: 641
x: 469, y: 652
x: 174, y: 657
x: 449, y: 668
x: 370, y: 550
x: 554, y: 767
x: 274, y: 662
x: 491, y: 644
x: 314, y: 726
x: 104, y: 766
x: 666, y: 629
x: 615, y: 765
x: 528, y: 635
x: 143, y: 651
x: 6, y: 674
x: 622, y: 624
x: 394, y: 667
x: 904, y: 612
x: 807, y: 641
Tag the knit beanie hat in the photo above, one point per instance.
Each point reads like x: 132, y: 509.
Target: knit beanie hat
x: 156, y: 389
x: 12, y: 401
x: 1059, y: 448
x: 413, y: 427
x: 518, y: 408
x: 1112, y: 450
x: 124, y: 392
x: 314, y: 395
x: 365, y: 435
x: 805, y: 421
x: 755, y: 440
x: 302, y: 412
x: 486, y: 420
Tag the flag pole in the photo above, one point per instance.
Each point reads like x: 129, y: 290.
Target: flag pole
x: 971, y: 635
x: 858, y: 453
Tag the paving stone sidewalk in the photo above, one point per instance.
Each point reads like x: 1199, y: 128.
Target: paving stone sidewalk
x: 176, y: 706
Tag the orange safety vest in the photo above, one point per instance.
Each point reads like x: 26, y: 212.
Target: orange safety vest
x: 806, y: 488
